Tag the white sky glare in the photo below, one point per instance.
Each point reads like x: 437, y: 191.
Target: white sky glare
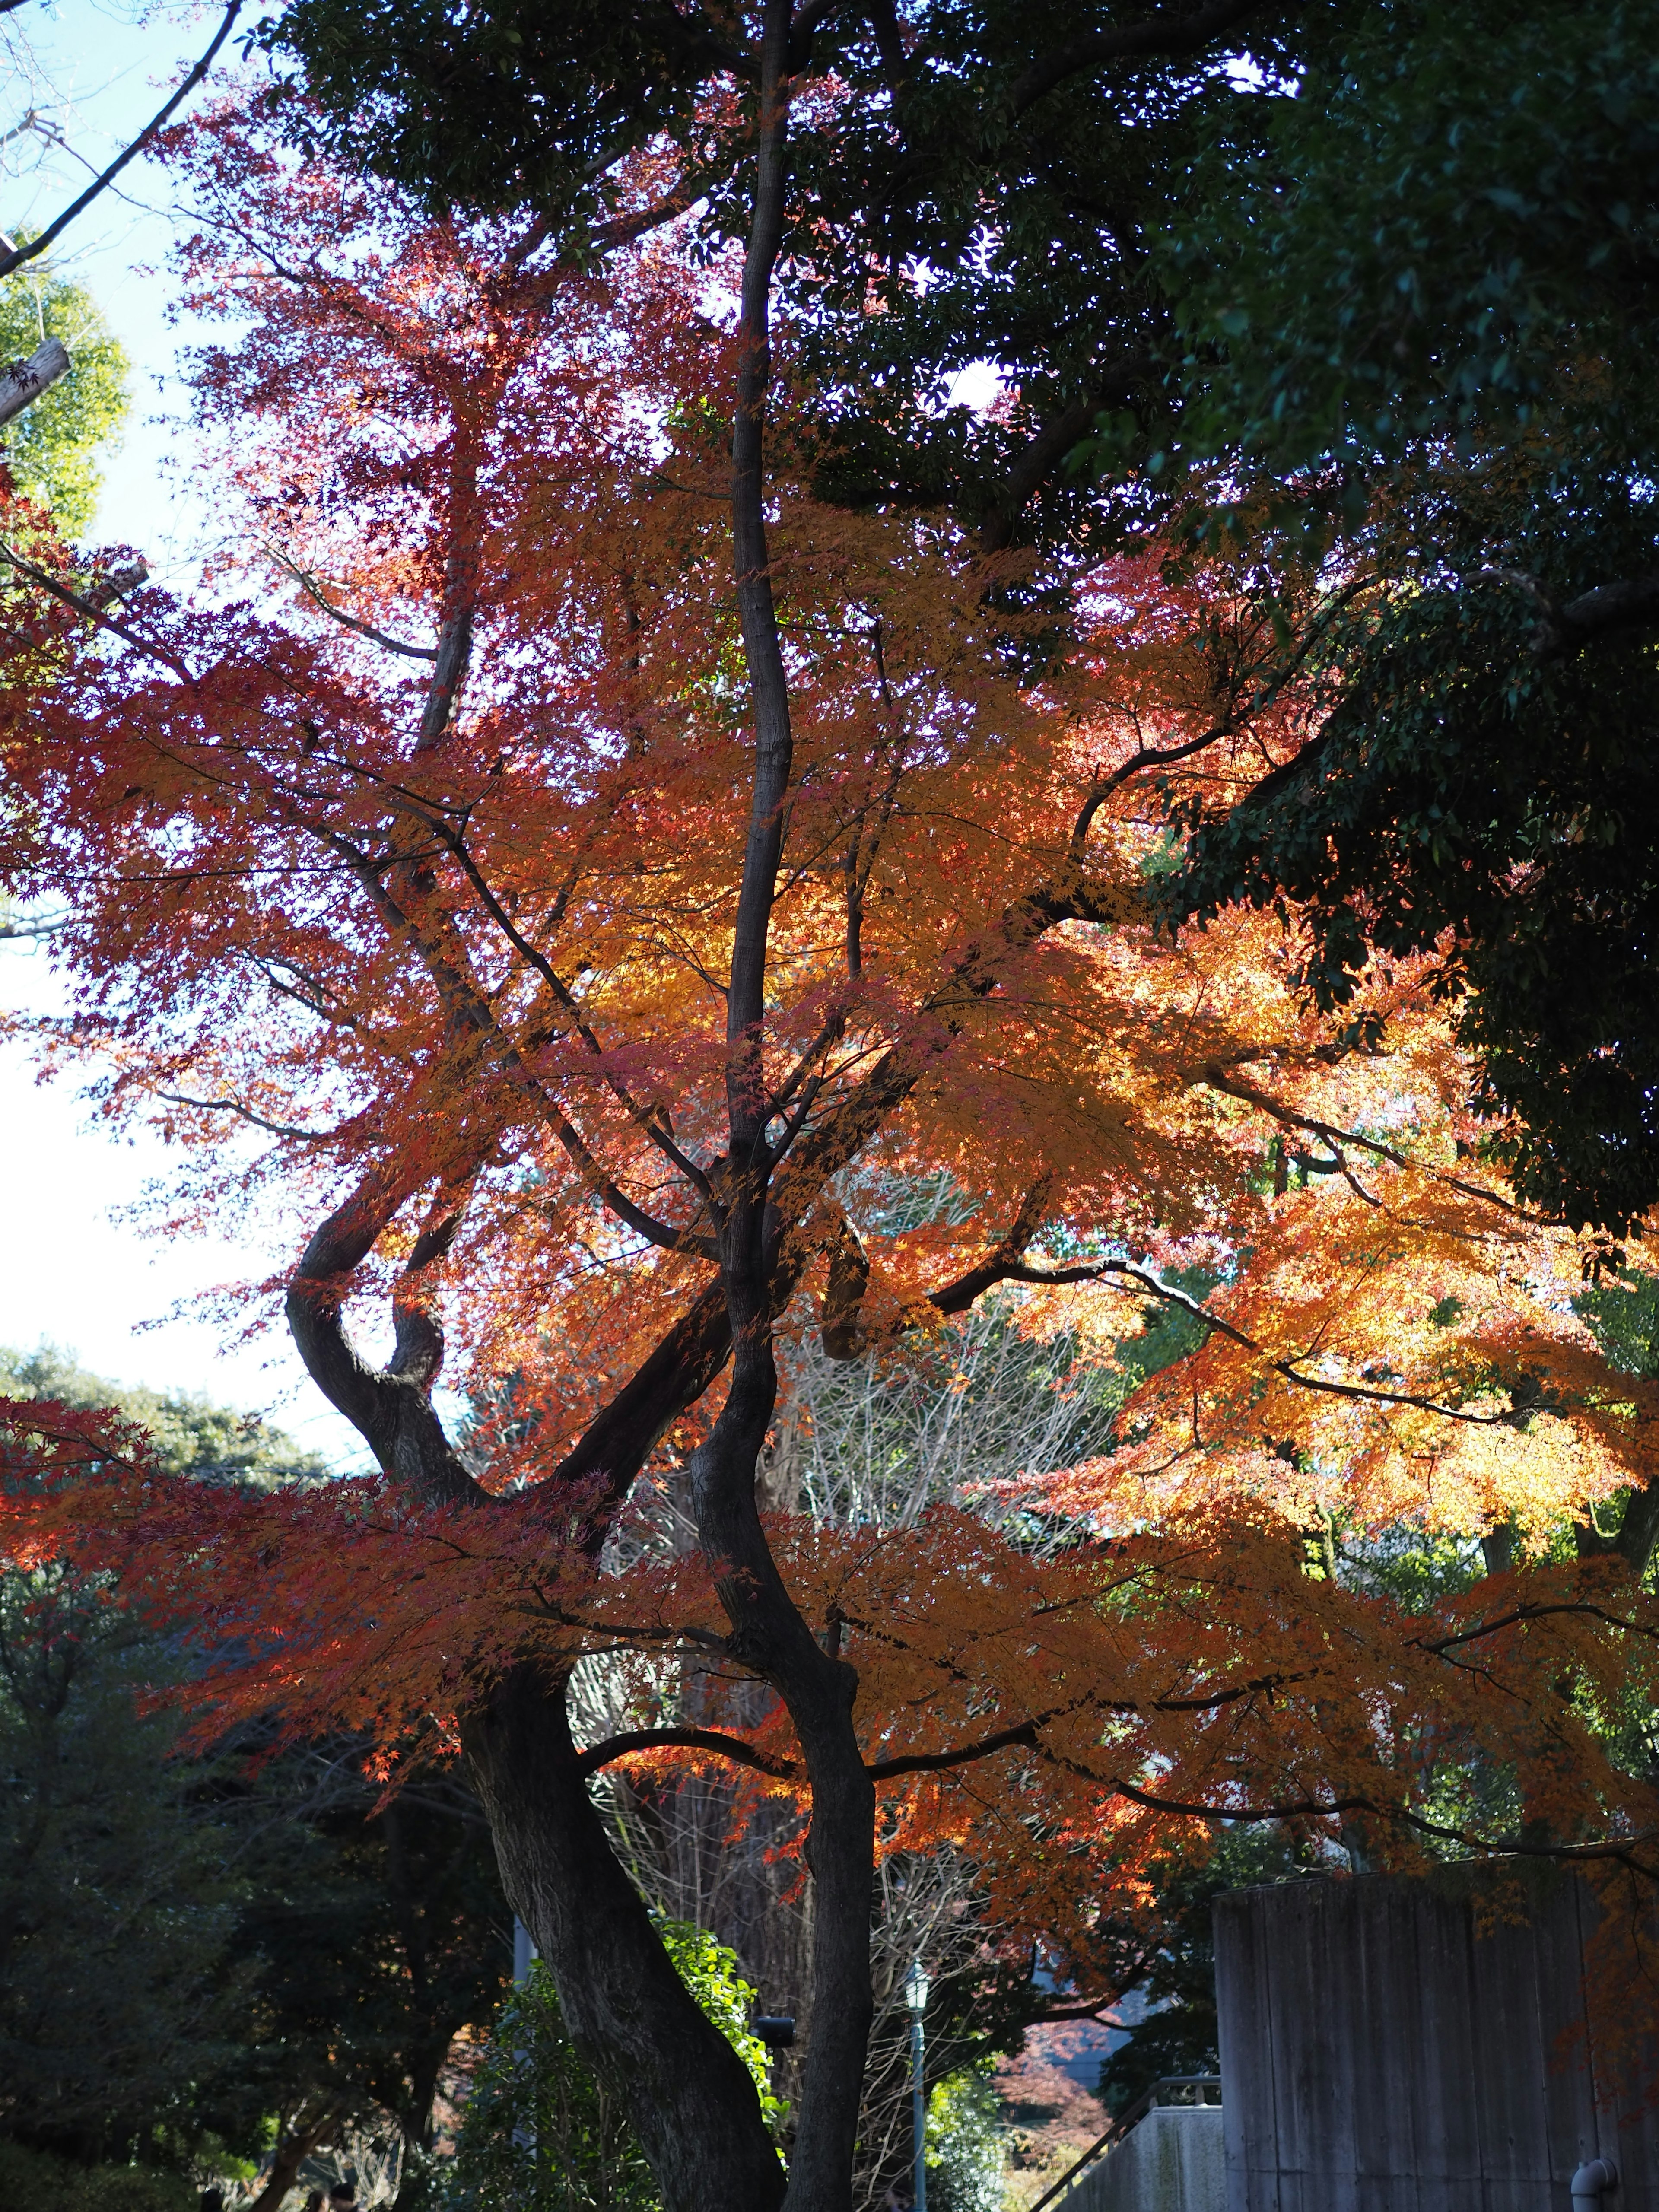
x: 81, y: 1275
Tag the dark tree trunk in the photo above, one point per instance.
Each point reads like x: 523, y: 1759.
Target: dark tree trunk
x: 291, y: 2153
x: 685, y: 2090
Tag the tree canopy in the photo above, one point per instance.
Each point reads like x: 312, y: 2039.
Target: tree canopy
x: 651, y: 900
x: 1423, y: 312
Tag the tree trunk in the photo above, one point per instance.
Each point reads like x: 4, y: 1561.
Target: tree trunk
x: 689, y: 2096
x: 770, y: 1637
x: 685, y: 2090
x: 292, y: 2151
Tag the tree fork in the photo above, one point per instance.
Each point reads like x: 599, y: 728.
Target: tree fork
x: 688, y: 2095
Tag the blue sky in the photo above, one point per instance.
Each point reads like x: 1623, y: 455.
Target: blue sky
x: 83, y: 1275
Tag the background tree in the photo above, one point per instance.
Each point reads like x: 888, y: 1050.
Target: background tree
x: 1420, y: 316
x: 200, y: 1953
x: 376, y: 1932
x: 57, y: 449
x: 124, y: 1988
x: 1176, y: 2031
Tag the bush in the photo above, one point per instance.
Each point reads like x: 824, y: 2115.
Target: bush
x: 965, y: 2143
x: 47, y: 2184
x: 540, y: 2134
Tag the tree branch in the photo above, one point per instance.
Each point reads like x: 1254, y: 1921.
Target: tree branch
x: 14, y: 257
x: 689, y: 1739
x: 1219, y: 1077
x: 313, y: 591
x: 21, y: 385
x: 1630, y: 603
x: 1311, y: 1808
x: 1288, y: 1368
x: 939, y: 1762
x: 1037, y: 460
x: 1181, y: 31
x: 95, y: 608
x: 955, y: 1297
x: 390, y: 1407
x: 246, y: 1114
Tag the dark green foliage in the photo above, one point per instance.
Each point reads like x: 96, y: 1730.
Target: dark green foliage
x: 191, y: 1946
x: 991, y: 207
x: 35, y: 2181
x: 1451, y: 229
x: 122, y: 1990
x: 371, y: 1935
x: 1429, y: 310
x: 1624, y: 1312
x: 495, y: 109
x: 1464, y: 784
x: 189, y: 1434
x: 541, y: 2134
x: 116, y: 1993
x: 1179, y: 2035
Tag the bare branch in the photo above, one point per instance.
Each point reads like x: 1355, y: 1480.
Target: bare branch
x: 95, y: 610
x: 21, y: 385
x: 313, y: 591
x: 939, y: 1762
x: 14, y: 257
x: 689, y: 1739
x: 1630, y: 603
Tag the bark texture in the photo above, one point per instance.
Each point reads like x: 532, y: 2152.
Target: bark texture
x: 686, y: 2091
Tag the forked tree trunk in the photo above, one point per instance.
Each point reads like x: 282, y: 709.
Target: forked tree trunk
x: 688, y: 2095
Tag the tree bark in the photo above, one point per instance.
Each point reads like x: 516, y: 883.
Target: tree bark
x: 686, y: 2091
x: 771, y: 1638
x: 292, y: 2151
x: 22, y: 384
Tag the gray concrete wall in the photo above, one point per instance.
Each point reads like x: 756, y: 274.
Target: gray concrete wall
x: 1379, y: 2053
x: 1174, y: 2159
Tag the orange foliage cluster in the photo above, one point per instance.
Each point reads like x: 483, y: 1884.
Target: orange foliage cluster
x: 338, y: 928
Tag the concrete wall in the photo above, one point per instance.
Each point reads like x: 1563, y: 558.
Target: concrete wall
x: 1379, y: 2053
x: 1172, y: 2161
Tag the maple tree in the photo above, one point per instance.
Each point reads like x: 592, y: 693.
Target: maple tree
x: 592, y: 882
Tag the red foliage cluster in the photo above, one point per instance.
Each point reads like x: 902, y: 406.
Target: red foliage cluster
x: 403, y: 871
